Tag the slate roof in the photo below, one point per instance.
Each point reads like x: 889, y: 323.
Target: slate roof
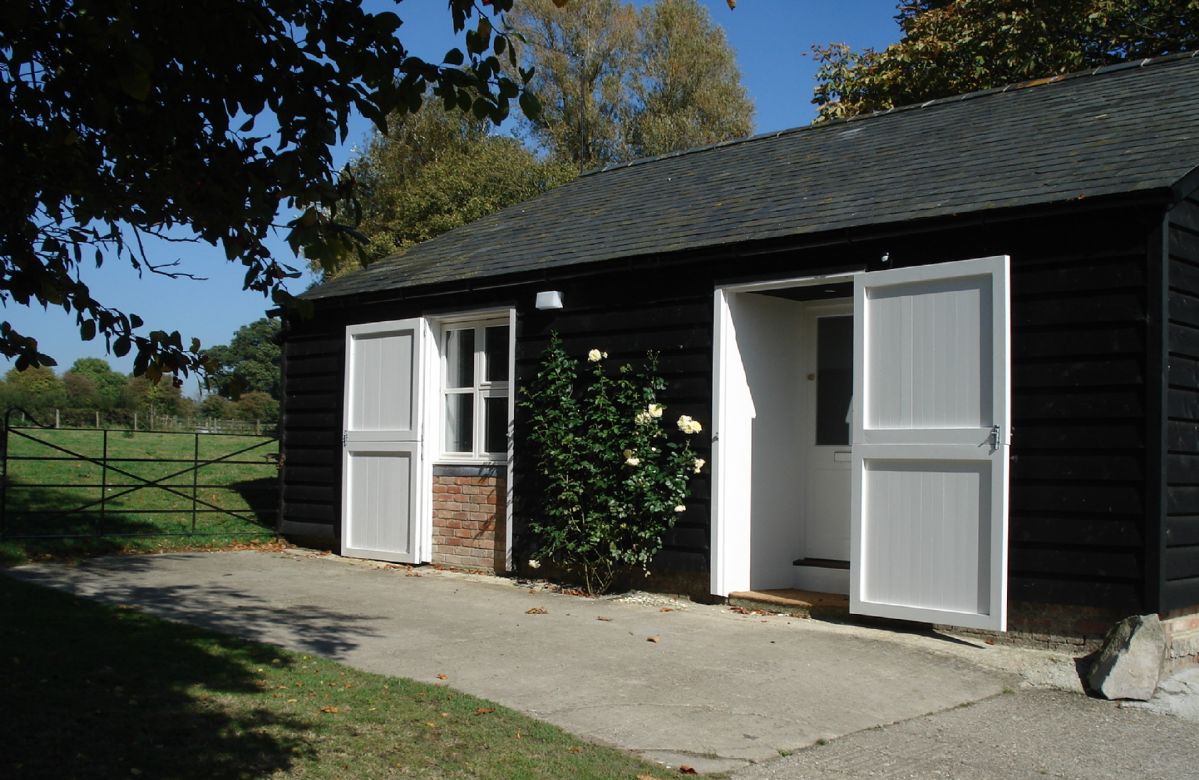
x: 1126, y: 128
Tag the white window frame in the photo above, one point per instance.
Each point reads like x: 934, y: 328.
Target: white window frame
x: 481, y: 389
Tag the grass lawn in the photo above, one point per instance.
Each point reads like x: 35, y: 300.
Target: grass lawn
x: 59, y: 501
x: 92, y: 691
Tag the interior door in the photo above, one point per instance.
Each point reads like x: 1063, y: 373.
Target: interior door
x: 382, y: 441
x: 828, y: 377
x: 930, y: 444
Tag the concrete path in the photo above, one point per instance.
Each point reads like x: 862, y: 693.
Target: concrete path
x: 674, y: 681
x: 1025, y: 734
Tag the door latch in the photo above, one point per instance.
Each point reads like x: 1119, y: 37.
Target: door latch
x: 994, y: 437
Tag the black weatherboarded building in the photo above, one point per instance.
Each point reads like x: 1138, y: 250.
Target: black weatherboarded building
x: 946, y: 358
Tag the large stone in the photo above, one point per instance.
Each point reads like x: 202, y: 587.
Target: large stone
x: 1130, y: 662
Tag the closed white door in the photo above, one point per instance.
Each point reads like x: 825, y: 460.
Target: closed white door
x: 382, y: 441
x: 828, y: 379
x: 930, y: 444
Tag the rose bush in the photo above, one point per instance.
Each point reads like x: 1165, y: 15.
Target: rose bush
x: 611, y: 482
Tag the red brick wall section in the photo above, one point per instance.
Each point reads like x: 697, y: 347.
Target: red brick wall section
x: 468, y: 521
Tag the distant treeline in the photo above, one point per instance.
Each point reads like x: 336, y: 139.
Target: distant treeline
x: 91, y: 387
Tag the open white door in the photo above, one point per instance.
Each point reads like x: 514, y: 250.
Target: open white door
x: 381, y: 464
x: 930, y: 444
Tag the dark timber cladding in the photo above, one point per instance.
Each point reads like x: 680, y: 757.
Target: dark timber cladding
x: 1083, y: 181
x: 1180, y: 564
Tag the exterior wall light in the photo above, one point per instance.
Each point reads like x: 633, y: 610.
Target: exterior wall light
x: 549, y: 299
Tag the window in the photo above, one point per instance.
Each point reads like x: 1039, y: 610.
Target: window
x: 475, y: 389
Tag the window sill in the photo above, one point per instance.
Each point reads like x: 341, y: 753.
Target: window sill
x: 451, y: 460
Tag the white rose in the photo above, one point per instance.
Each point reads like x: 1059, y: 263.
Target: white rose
x: 699, y: 464
x: 655, y: 410
x: 634, y: 461
x: 642, y: 417
x: 595, y: 356
x: 688, y: 425
x: 534, y: 563
x: 680, y: 508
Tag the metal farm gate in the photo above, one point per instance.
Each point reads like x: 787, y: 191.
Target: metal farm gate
x: 82, y: 482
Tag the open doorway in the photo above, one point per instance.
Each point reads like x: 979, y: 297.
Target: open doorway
x: 904, y: 506
x: 789, y: 375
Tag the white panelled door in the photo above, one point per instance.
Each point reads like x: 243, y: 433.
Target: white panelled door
x: 930, y: 444
x: 381, y: 464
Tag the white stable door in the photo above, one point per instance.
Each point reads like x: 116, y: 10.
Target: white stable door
x: 930, y: 444
x: 382, y: 441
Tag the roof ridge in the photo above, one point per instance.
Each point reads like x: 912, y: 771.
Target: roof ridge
x: 1019, y: 85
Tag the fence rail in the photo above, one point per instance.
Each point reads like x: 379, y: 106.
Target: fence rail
x: 145, y: 420
x: 60, y: 483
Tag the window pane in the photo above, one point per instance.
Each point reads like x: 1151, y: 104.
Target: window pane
x: 834, y: 379
x: 460, y: 358
x: 496, y: 340
x: 495, y: 420
x: 459, y: 422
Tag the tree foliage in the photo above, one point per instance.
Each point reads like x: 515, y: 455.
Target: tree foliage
x: 251, y: 362
x: 107, y: 386
x: 124, y: 119
x: 954, y: 46
x: 617, y: 83
x: 434, y: 170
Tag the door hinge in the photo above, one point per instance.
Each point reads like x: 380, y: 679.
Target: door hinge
x: 344, y: 438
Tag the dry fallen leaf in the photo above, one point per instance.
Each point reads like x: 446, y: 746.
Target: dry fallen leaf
x: 652, y: 639
x: 605, y: 619
x: 442, y: 677
x: 484, y: 710
x: 330, y: 710
x: 687, y: 770
x: 536, y: 611
x: 576, y: 749
x: 646, y: 777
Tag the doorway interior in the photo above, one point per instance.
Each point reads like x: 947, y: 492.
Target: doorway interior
x: 793, y: 373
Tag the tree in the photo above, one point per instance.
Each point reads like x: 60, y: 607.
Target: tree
x: 156, y: 398
x: 257, y: 407
x: 955, y: 46
x: 37, y: 390
x: 582, y: 61
x: 688, y: 85
x: 616, y: 83
x: 250, y: 363
x: 124, y: 119
x: 108, y: 386
x: 217, y: 407
x: 434, y: 170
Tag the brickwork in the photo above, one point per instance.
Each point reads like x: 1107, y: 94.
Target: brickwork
x: 468, y: 518
x: 1065, y: 627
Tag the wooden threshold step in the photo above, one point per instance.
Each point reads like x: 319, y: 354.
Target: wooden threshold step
x: 790, y: 601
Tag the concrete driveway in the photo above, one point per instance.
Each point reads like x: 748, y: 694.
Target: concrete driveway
x: 674, y: 681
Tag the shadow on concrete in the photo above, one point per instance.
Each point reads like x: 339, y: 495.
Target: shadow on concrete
x: 96, y: 692
x: 217, y: 607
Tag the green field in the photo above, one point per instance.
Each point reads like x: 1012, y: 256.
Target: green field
x: 58, y: 502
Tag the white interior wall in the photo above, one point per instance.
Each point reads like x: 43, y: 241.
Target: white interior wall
x: 768, y: 341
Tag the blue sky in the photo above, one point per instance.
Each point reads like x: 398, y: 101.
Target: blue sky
x: 770, y: 37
